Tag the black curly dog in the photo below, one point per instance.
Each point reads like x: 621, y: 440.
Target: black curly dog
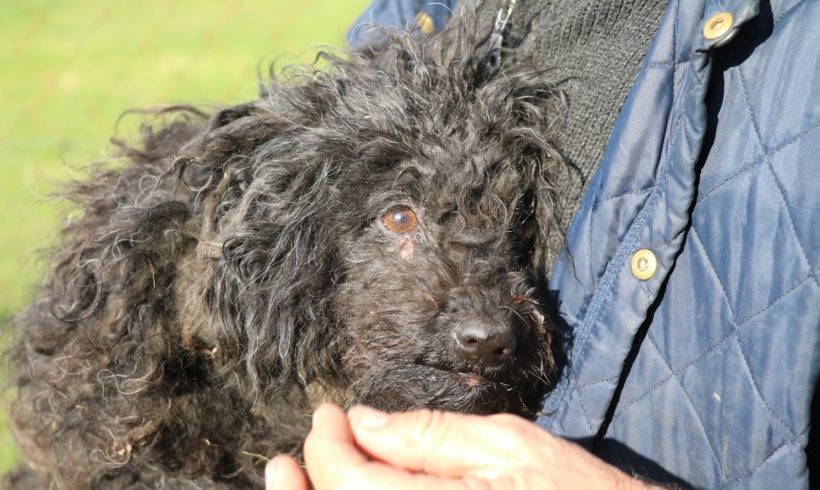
x: 371, y: 232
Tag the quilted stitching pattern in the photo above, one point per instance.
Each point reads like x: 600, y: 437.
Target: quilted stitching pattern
x: 753, y: 175
x: 749, y: 266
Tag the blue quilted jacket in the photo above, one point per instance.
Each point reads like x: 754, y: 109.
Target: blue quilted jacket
x: 702, y: 371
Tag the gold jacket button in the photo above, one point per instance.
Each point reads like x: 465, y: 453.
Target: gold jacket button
x: 425, y: 23
x: 719, y: 27
x: 644, y: 264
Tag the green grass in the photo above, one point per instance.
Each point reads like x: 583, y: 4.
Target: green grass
x: 69, y: 69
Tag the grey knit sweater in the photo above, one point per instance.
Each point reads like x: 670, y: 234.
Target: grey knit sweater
x: 594, y: 48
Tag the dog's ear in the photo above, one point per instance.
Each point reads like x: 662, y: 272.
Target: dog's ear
x: 522, y: 111
x: 538, y: 108
x: 267, y: 242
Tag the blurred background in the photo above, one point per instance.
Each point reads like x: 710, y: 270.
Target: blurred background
x: 69, y: 68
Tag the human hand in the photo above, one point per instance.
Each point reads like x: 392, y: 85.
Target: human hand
x: 369, y: 449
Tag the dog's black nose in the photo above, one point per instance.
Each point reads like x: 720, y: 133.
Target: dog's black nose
x: 483, y: 342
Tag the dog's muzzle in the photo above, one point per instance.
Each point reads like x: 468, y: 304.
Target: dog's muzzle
x: 483, y: 342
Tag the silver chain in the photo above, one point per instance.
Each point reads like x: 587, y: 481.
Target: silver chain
x: 502, y: 17
x: 497, y: 37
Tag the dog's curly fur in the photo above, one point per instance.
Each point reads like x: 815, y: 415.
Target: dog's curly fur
x: 233, y: 270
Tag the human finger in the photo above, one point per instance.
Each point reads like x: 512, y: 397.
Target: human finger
x: 334, y: 461
x: 284, y: 473
x: 443, y: 443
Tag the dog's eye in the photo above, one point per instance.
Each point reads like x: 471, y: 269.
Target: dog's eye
x: 400, y: 219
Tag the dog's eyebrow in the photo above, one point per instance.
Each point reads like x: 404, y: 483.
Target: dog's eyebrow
x: 414, y: 171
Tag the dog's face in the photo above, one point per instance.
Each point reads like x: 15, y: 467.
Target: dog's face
x: 384, y: 238
x: 438, y: 302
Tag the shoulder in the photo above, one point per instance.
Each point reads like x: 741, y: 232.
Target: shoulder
x: 427, y: 17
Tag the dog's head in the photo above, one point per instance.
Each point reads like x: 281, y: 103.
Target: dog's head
x: 384, y: 229
x: 438, y: 305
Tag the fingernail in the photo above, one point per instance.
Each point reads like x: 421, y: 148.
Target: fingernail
x: 367, y: 418
x: 271, y: 472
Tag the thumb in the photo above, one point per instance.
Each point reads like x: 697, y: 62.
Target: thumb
x: 439, y: 443
x: 283, y: 472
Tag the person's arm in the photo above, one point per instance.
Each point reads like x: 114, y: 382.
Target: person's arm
x: 368, y: 449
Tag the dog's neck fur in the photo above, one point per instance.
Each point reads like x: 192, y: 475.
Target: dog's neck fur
x: 319, y: 392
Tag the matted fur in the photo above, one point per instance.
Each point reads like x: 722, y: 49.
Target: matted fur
x: 234, y: 269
